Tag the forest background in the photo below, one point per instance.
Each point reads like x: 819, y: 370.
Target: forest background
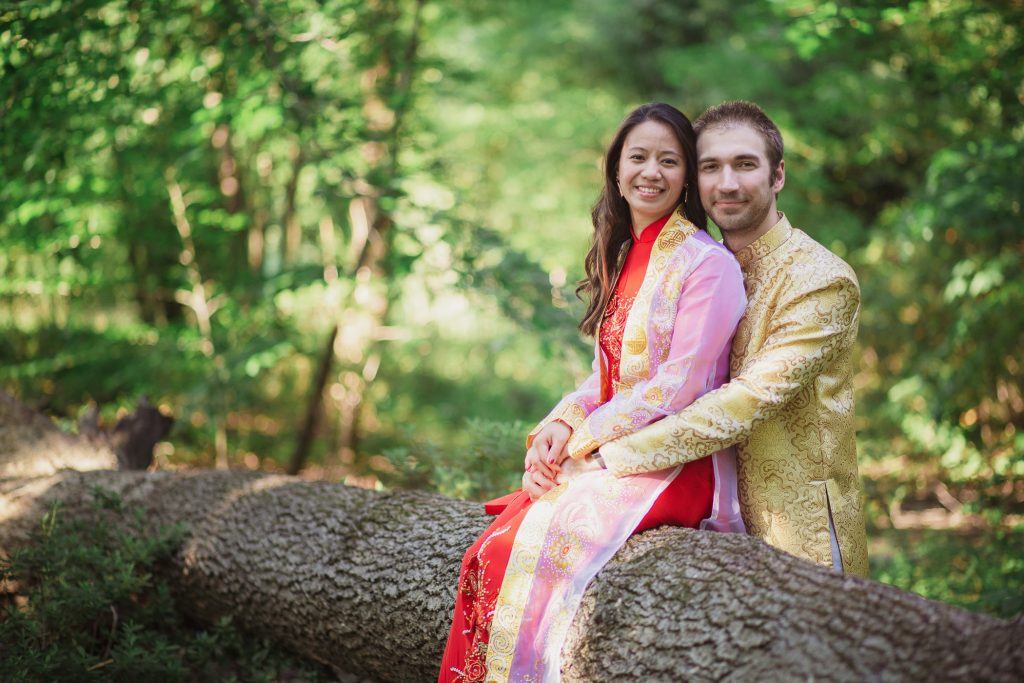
x: 341, y: 237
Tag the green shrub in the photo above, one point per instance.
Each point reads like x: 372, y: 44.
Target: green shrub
x: 489, y: 465
x: 84, y: 602
x: 981, y: 570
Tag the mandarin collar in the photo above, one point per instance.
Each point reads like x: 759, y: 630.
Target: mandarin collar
x: 766, y: 243
x: 651, y: 230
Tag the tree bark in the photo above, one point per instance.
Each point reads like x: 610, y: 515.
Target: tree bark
x: 365, y: 582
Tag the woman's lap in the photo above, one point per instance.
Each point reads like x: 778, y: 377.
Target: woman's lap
x: 686, y: 500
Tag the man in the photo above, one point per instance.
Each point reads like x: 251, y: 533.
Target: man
x: 789, y: 404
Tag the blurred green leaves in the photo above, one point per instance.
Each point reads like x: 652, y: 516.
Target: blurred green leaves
x: 420, y: 175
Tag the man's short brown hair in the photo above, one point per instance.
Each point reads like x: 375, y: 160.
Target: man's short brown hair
x: 741, y: 112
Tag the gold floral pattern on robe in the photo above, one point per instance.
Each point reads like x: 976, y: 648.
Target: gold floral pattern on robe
x: 613, y: 328
x: 789, y: 405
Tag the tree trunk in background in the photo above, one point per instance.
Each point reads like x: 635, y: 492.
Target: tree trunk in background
x: 31, y: 445
x: 387, y: 92
x: 290, y: 219
x: 365, y: 582
x: 314, y: 407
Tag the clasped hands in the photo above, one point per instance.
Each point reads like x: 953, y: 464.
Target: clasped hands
x: 547, y: 461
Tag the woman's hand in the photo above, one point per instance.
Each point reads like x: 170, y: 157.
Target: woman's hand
x: 548, y: 449
x: 543, y: 456
x: 536, y: 484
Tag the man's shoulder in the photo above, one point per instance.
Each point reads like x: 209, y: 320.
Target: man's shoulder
x: 819, y: 265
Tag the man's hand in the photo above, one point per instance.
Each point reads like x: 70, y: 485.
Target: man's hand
x: 574, y: 468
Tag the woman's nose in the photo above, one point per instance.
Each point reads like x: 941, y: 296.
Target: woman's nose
x: 651, y: 169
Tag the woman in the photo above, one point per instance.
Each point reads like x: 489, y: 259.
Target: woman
x: 665, y: 299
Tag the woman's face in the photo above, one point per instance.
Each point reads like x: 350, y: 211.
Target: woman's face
x: 651, y: 172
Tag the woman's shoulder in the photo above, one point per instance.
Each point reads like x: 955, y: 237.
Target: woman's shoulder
x: 705, y: 239
x: 709, y: 250
x: 691, y: 248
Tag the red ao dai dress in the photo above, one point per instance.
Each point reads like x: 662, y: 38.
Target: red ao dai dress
x: 663, y: 342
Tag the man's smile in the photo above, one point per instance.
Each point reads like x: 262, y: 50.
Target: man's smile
x: 730, y: 202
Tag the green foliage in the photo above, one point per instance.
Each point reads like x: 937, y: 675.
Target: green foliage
x: 977, y: 571
x: 291, y: 132
x: 487, y: 466
x: 86, y: 602
x: 421, y: 174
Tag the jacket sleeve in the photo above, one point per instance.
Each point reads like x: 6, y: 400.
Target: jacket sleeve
x: 806, y: 335
x: 710, y: 304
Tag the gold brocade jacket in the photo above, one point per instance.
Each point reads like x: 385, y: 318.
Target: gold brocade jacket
x: 789, y: 405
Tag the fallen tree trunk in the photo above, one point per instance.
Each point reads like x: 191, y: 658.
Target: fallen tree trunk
x: 364, y: 581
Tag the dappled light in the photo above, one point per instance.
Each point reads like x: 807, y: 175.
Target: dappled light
x: 342, y: 238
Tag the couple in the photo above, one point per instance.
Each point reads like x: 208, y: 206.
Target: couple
x: 721, y: 396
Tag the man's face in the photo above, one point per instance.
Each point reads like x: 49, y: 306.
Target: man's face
x: 735, y: 182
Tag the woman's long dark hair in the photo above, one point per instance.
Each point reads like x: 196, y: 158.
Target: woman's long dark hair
x: 611, y: 215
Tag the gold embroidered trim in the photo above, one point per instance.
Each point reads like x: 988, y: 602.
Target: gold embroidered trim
x: 516, y: 585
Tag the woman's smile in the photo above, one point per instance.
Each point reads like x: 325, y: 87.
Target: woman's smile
x: 651, y: 172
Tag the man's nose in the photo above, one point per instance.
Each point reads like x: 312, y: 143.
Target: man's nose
x: 728, y: 180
